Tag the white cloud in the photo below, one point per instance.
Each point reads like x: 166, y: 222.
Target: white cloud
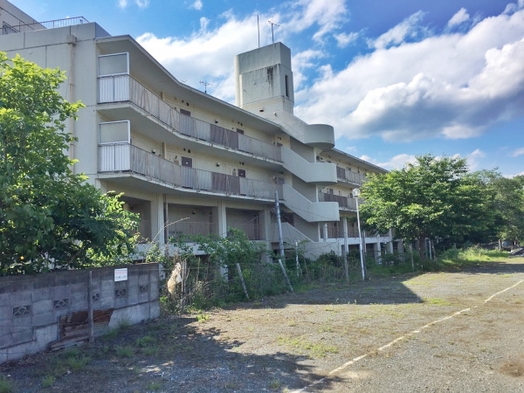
x: 474, y: 159
x: 449, y: 85
x: 209, y: 53
x: 140, y: 3
x: 397, y: 162
x: 327, y: 15
x: 452, y: 85
x: 460, y: 17
x: 518, y: 152
x: 344, y: 39
x: 197, y: 5
x: 408, y: 28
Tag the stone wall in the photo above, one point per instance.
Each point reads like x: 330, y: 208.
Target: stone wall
x: 47, y: 310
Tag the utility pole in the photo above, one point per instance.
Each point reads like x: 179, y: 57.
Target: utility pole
x: 281, y: 242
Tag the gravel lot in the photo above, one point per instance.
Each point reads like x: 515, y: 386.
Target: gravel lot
x: 435, y: 332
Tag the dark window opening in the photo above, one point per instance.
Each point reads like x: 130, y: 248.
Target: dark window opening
x: 187, y: 161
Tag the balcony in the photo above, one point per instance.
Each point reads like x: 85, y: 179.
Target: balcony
x: 123, y: 88
x: 347, y: 176
x: 335, y: 230
x: 344, y: 203
x: 127, y: 158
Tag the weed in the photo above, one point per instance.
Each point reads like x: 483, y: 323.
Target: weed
x: 145, y: 341
x: 6, y: 386
x: 274, y: 384
x: 125, y: 351
x: 202, y: 317
x: 154, y: 386
x: 48, y: 381
x: 316, y: 349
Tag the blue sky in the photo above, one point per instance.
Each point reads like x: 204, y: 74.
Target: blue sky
x: 395, y: 78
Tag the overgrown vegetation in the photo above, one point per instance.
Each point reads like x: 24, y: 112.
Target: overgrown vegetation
x: 198, y: 283
x: 50, y: 218
x: 438, y: 198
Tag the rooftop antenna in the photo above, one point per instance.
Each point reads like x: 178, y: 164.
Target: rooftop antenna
x: 206, y: 84
x: 258, y: 29
x: 272, y: 32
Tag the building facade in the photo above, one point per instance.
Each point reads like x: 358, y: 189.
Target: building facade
x: 187, y: 162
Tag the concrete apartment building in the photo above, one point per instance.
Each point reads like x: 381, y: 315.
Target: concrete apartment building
x: 178, y: 153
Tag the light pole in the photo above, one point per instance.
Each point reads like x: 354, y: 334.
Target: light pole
x: 356, y: 194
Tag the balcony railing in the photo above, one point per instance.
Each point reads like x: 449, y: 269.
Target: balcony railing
x: 127, y: 158
x: 335, y: 230
x: 347, y: 176
x: 27, y: 27
x: 343, y: 202
x: 121, y: 88
x: 191, y: 228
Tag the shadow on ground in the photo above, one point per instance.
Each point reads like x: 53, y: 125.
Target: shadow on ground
x: 167, y: 355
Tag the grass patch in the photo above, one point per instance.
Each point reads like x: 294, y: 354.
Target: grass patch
x: 155, y: 387
x: 202, y: 317
x: 146, y: 341
x: 125, y: 351
x: 6, y: 386
x: 437, y: 302
x: 48, y: 381
x: 318, y: 350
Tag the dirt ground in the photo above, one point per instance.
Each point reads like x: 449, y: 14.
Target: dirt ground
x: 450, y: 331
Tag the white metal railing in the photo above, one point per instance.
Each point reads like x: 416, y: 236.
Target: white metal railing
x: 51, y: 24
x: 347, y: 176
x: 123, y: 157
x: 120, y: 88
x: 335, y: 230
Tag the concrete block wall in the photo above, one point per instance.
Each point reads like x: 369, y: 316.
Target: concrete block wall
x: 31, y: 305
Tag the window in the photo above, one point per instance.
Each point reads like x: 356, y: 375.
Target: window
x: 115, y: 132
x: 241, y: 172
x: 184, y: 112
x: 287, y: 85
x: 114, y: 64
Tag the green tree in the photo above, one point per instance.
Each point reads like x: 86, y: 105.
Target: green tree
x: 433, y: 198
x: 508, y: 206
x: 49, y: 216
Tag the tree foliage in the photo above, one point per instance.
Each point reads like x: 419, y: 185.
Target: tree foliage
x: 508, y: 206
x: 432, y: 198
x: 49, y: 216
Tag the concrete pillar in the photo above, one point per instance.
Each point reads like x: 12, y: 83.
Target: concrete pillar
x: 325, y: 228
x: 222, y: 219
x: 377, y: 252
x: 157, y: 218
x: 390, y: 242
x: 345, y: 229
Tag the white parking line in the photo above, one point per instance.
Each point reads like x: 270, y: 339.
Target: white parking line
x: 357, y: 359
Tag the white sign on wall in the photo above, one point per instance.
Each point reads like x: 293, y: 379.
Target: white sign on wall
x: 121, y: 274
